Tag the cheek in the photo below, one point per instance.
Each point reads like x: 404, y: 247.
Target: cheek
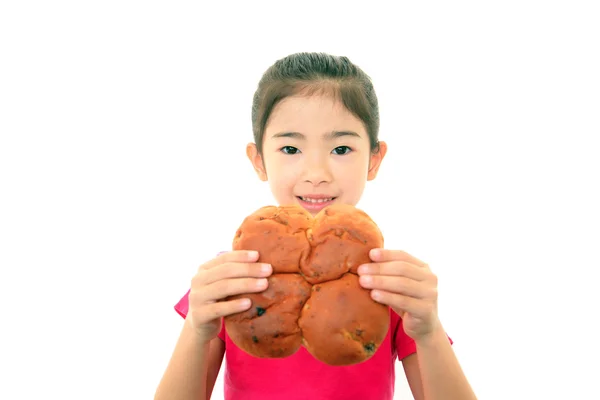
x: 282, y: 182
x: 352, y: 168
x: 282, y: 172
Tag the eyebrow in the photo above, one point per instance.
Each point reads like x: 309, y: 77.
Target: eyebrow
x: 329, y: 136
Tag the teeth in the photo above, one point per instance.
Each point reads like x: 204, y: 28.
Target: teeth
x: 309, y: 200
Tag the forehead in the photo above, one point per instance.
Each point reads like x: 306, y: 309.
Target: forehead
x: 312, y: 116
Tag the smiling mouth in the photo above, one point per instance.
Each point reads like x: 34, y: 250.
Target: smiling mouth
x: 316, y: 201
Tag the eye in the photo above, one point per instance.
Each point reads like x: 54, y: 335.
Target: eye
x: 289, y: 150
x: 341, y: 150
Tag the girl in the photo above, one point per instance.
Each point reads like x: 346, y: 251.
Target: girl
x: 315, y: 120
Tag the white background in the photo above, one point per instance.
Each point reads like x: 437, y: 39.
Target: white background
x: 122, y: 169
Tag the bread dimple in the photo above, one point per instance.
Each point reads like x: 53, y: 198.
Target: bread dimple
x: 340, y: 241
x: 279, y: 234
x: 314, y: 298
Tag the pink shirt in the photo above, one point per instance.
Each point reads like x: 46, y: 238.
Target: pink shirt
x: 302, y: 377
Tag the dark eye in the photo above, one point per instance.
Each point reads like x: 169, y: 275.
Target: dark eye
x: 289, y: 150
x: 341, y: 150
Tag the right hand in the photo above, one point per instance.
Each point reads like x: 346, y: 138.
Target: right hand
x: 231, y: 273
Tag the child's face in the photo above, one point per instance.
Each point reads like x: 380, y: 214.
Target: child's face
x: 315, y: 153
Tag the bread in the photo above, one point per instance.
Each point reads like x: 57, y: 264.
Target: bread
x: 314, y: 298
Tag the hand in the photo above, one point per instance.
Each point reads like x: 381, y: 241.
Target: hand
x: 407, y: 285
x: 228, y: 274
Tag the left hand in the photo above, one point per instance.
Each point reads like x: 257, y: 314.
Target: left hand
x: 407, y: 285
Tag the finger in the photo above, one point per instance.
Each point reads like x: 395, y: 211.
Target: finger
x: 231, y: 256
x: 382, y: 255
x: 395, y: 268
x: 227, y: 287
x: 231, y: 270
x: 415, y: 307
x: 212, y: 311
x: 396, y: 284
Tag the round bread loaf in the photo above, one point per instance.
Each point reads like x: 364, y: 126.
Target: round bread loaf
x: 314, y: 298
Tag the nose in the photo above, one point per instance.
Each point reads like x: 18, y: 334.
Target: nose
x: 317, y: 171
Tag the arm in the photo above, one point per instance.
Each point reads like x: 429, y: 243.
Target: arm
x: 193, y: 368
x: 198, y: 354
x: 434, y: 372
x: 409, y: 287
x: 215, y: 359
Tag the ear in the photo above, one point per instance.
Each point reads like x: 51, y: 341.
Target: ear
x: 256, y: 160
x: 375, y: 161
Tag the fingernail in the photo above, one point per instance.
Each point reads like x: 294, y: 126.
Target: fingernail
x: 252, y: 255
x: 375, y: 253
x: 366, y: 279
x: 245, y: 303
x: 363, y: 269
x: 265, y: 268
x: 261, y: 283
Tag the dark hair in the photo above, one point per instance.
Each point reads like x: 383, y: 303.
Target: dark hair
x: 310, y: 73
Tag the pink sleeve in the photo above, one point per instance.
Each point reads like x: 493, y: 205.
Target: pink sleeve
x: 183, y: 306
x: 405, y: 345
